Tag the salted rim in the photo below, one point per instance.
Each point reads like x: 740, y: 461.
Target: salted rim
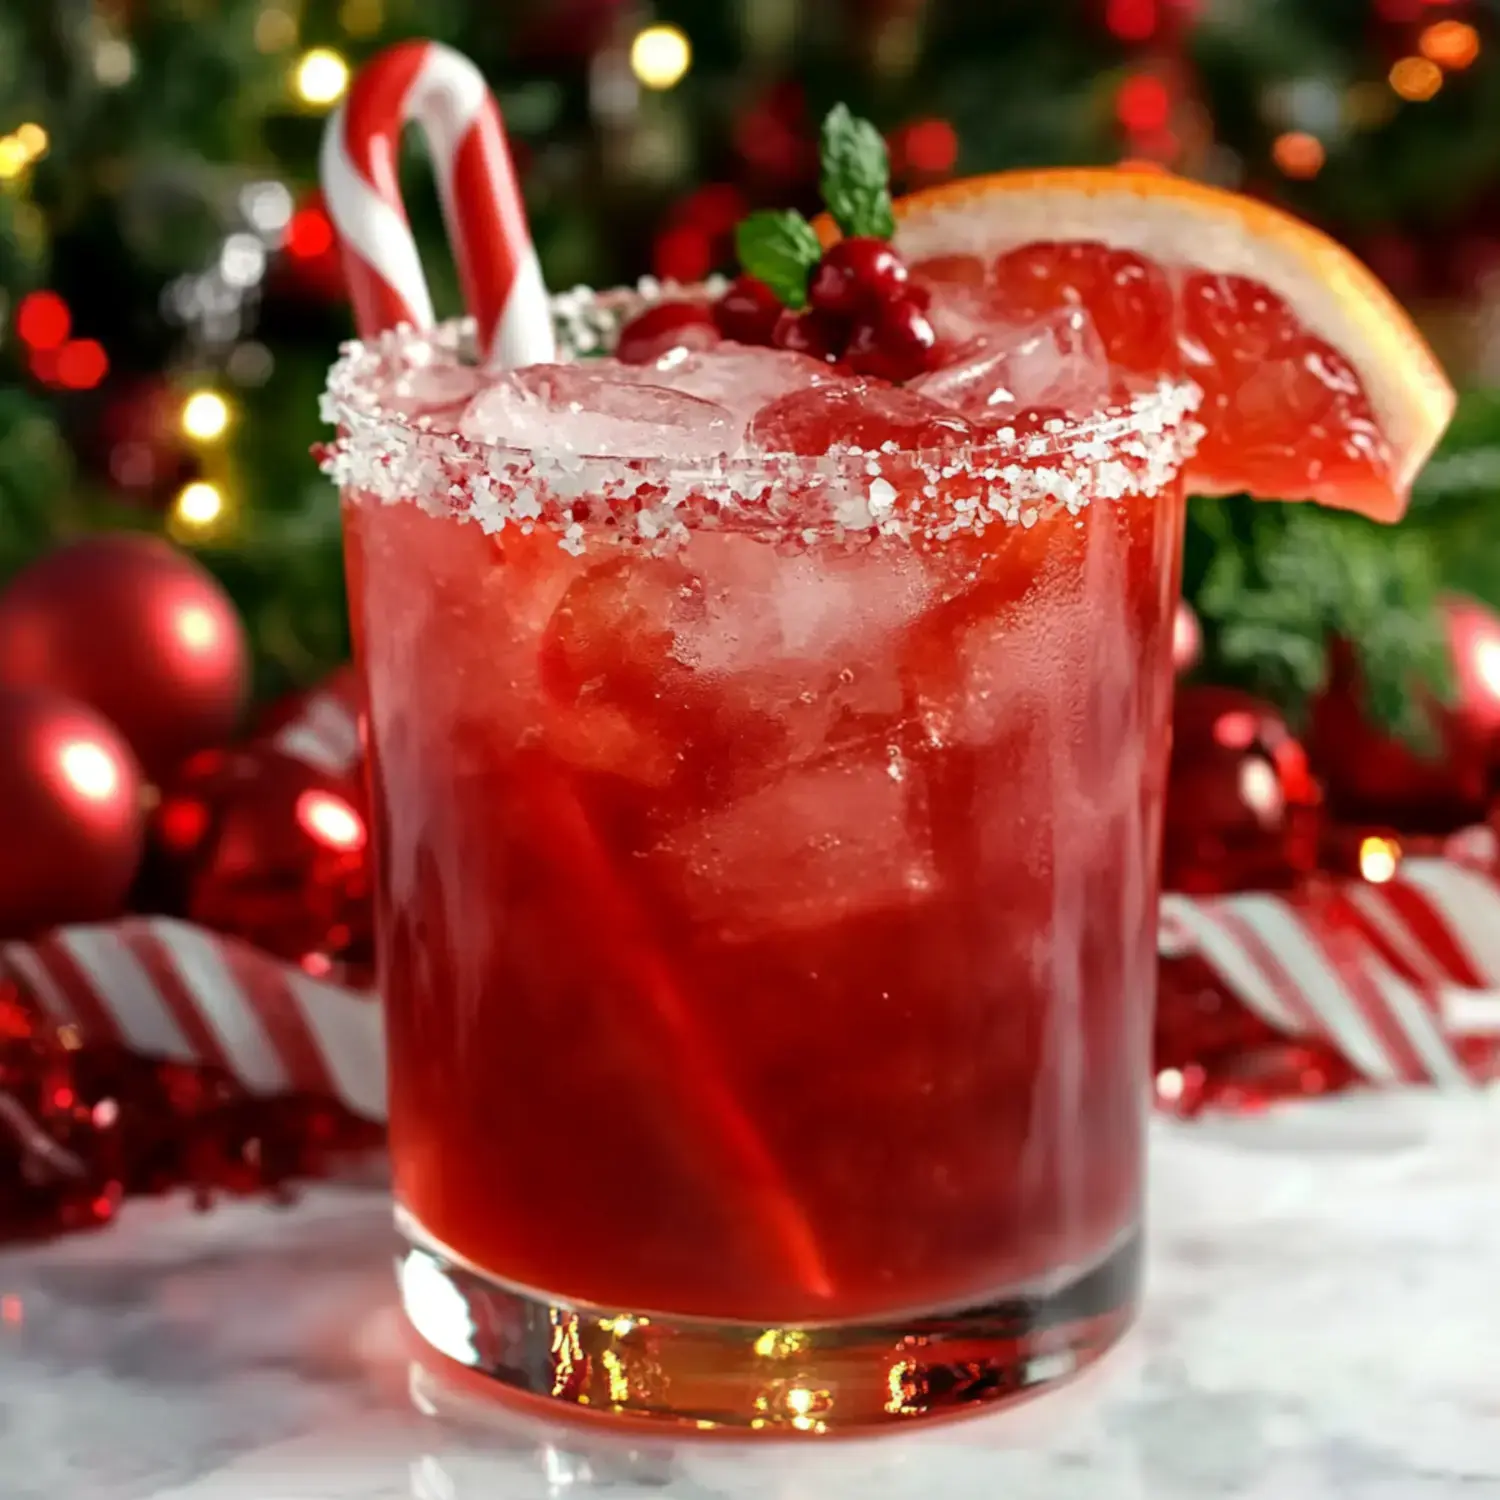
x: 1135, y: 447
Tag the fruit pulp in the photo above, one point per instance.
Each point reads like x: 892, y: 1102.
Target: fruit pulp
x: 767, y: 931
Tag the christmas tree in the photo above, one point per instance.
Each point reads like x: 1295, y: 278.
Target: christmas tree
x: 172, y: 294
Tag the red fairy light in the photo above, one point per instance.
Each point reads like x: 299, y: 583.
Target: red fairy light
x: 1143, y: 104
x: 81, y: 364
x: 310, y: 234
x: 930, y: 146
x: 1131, y: 20
x: 43, y: 320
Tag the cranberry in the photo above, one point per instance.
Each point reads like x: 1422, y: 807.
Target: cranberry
x: 856, y: 274
x: 748, y: 311
x: 665, y: 326
x: 813, y: 332
x: 896, y: 342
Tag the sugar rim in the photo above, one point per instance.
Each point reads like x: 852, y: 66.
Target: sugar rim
x: 1135, y: 447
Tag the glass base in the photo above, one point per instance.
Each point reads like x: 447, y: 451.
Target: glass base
x: 735, y: 1375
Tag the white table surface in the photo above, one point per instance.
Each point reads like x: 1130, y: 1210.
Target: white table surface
x: 1322, y: 1320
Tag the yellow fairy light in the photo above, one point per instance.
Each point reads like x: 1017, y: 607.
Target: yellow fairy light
x: 14, y: 157
x: 33, y: 140
x: 1416, y: 78
x: 1450, y: 44
x: 660, y: 56
x: 321, y: 76
x: 199, y: 505
x: 205, y: 416
x: 1378, y: 859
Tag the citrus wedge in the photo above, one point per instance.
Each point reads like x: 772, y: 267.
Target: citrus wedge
x: 1316, y: 384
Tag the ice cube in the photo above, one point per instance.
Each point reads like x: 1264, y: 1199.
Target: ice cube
x: 825, y: 844
x: 763, y: 609
x: 434, y: 396
x: 601, y: 409
x: 1057, y: 361
x: 863, y: 414
x: 741, y: 377
x: 960, y: 309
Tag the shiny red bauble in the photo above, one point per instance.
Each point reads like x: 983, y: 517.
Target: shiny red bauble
x: 70, y: 813
x: 260, y: 845
x: 1243, y: 810
x: 138, y: 631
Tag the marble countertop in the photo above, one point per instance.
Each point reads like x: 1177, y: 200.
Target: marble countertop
x: 1323, y: 1320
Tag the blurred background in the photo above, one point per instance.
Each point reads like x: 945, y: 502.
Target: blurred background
x: 170, y: 293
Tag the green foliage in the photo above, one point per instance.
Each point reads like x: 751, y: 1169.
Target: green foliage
x: 34, y: 480
x: 1282, y: 581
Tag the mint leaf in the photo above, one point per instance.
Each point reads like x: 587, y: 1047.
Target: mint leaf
x: 856, y: 175
x: 781, y: 248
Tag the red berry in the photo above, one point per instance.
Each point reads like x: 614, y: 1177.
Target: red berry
x: 665, y: 326
x: 748, y: 311
x: 856, y: 274
x: 813, y: 332
x: 896, y: 342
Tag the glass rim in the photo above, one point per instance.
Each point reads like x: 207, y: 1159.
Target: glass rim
x: 1136, y: 446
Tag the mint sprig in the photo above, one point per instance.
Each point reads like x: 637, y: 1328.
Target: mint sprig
x: 780, y: 248
x: 856, y: 175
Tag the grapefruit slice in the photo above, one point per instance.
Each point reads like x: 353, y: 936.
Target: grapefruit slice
x: 1316, y: 384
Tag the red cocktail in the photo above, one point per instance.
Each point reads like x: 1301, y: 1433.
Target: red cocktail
x: 767, y: 853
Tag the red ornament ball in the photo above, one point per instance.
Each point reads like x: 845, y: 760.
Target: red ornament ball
x: 1243, y: 810
x: 260, y: 845
x: 139, y: 632
x: 70, y: 813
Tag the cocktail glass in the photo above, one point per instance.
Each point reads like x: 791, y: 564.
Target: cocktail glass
x: 767, y: 869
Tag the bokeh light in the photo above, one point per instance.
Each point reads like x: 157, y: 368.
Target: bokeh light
x: 321, y: 77
x: 1450, y: 44
x: 199, y: 504
x: 1298, y: 154
x: 205, y: 416
x: 660, y: 56
x: 1416, y: 78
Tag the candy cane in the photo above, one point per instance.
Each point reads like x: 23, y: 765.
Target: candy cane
x: 445, y: 94
x: 1393, y: 975
x: 168, y: 989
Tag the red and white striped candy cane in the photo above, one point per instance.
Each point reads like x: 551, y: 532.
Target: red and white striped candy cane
x: 171, y: 990
x: 446, y: 95
x: 1396, y: 976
